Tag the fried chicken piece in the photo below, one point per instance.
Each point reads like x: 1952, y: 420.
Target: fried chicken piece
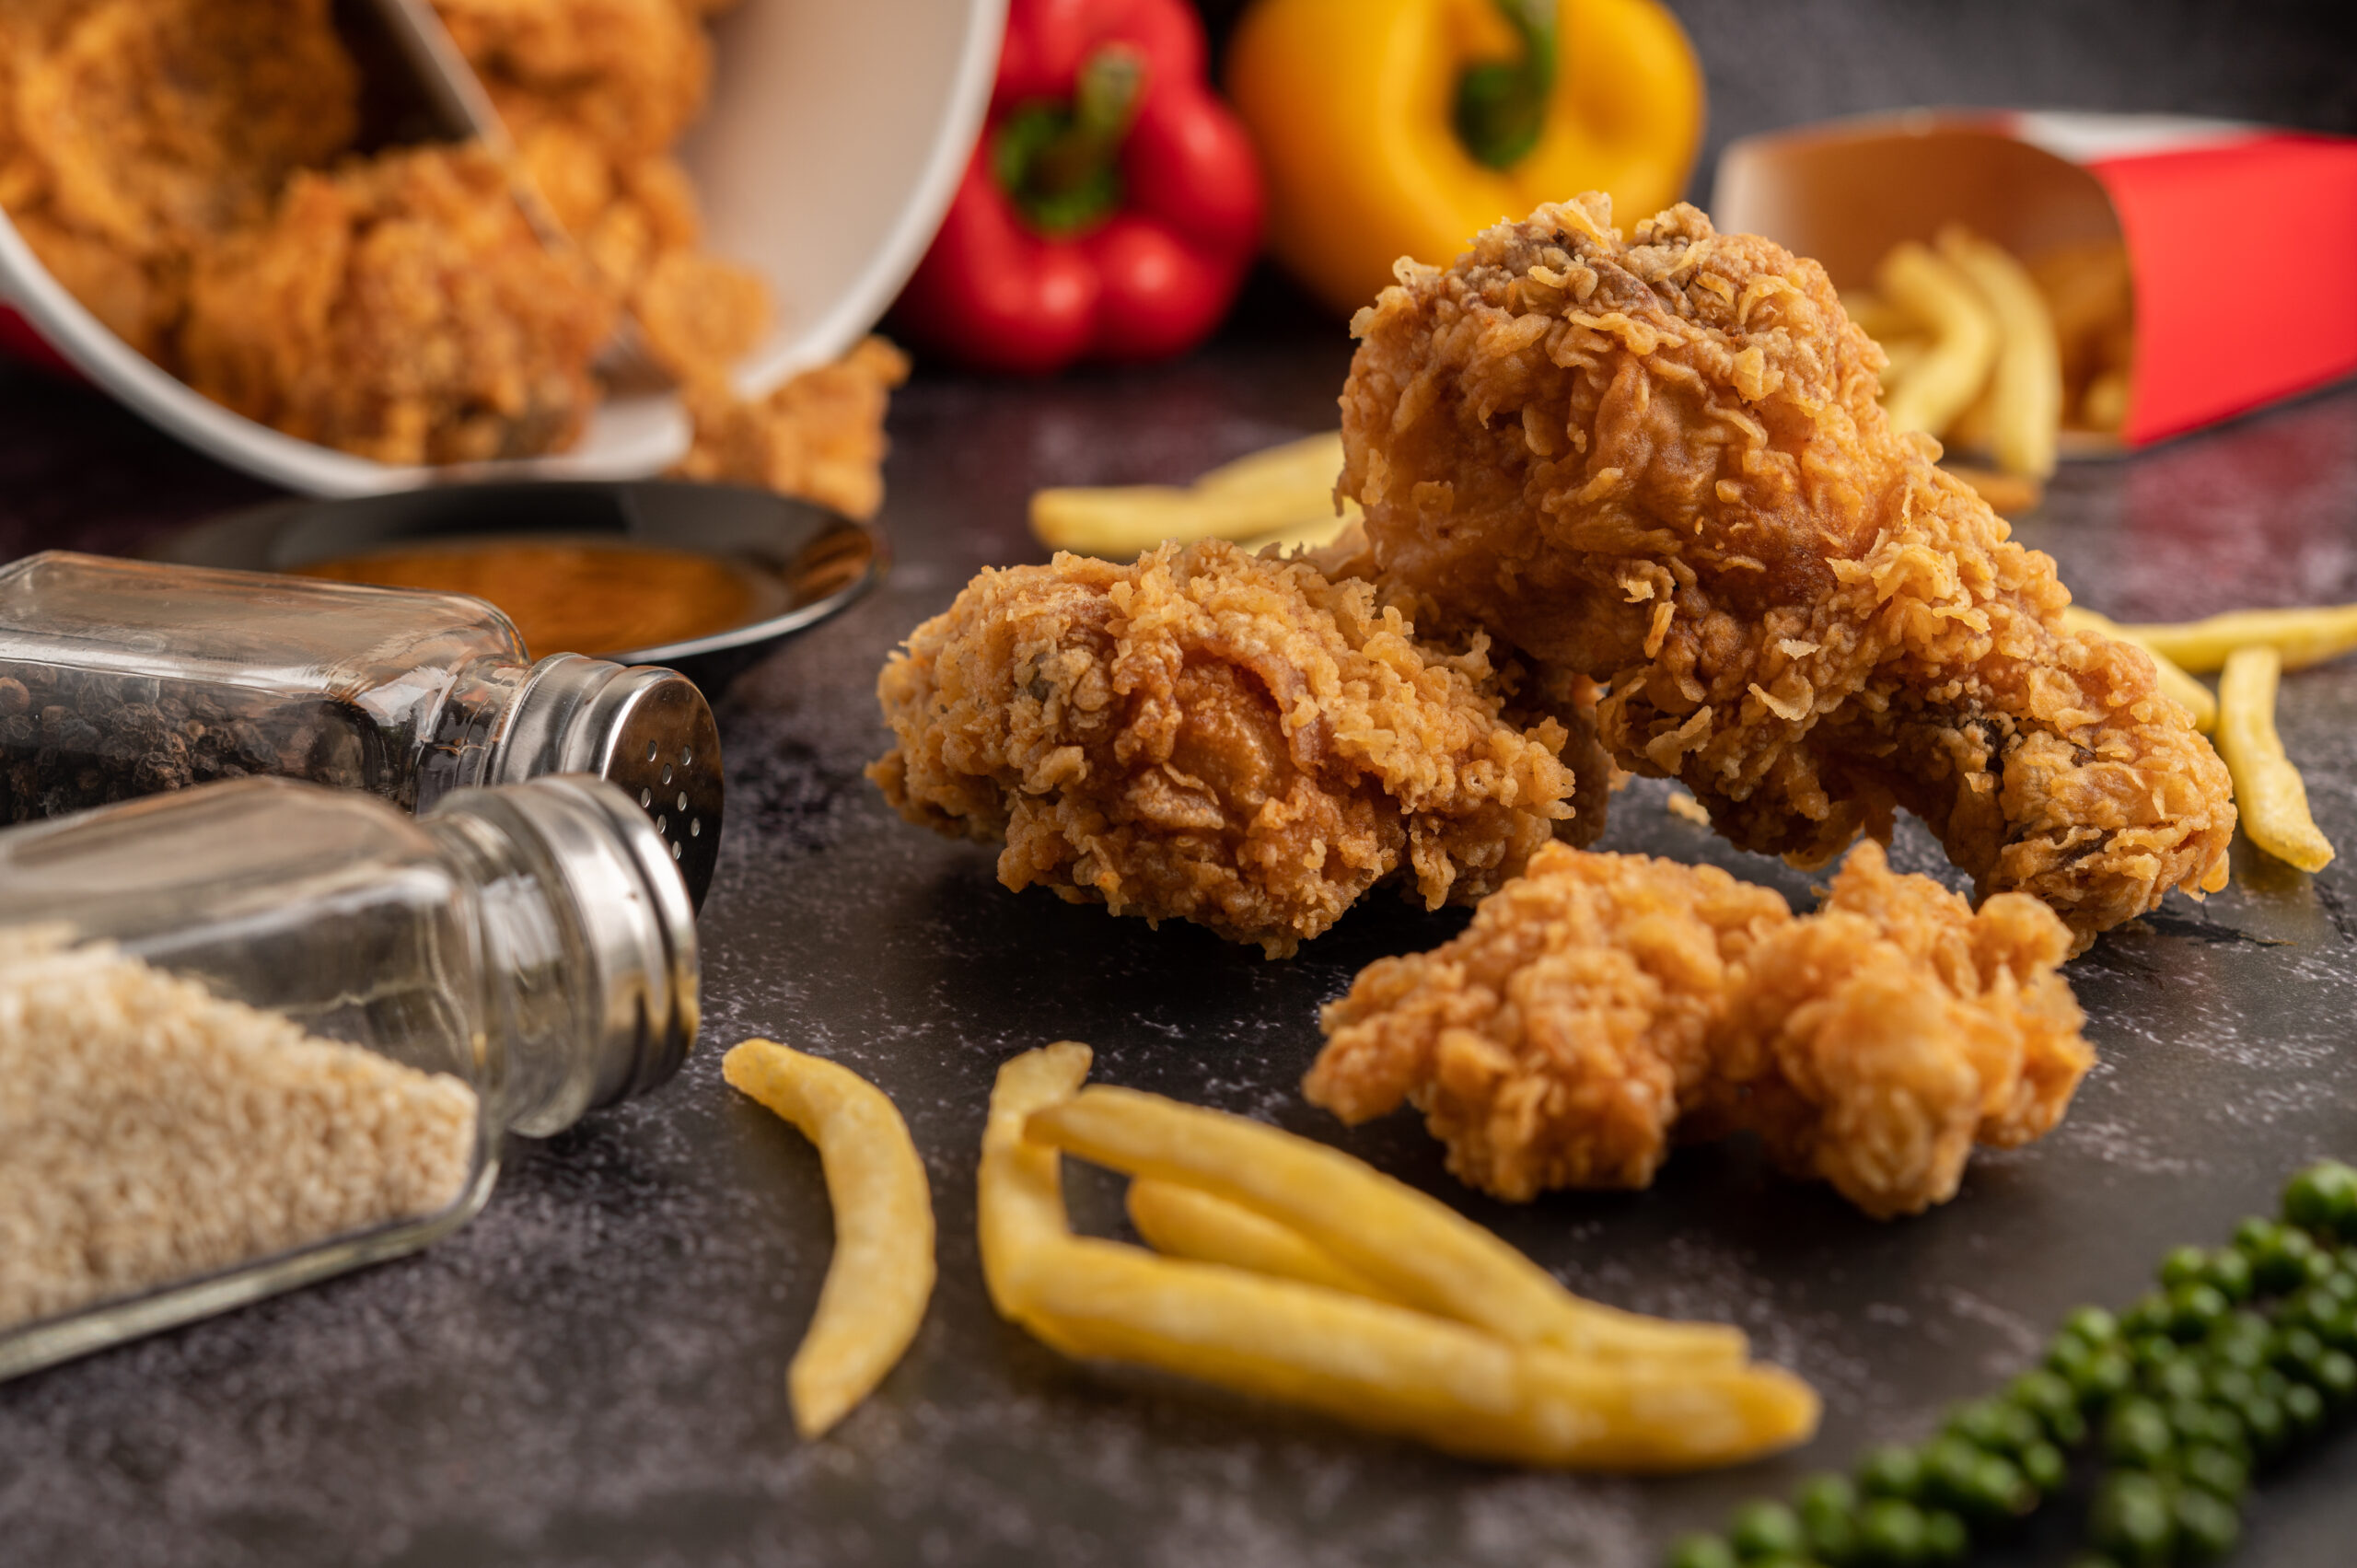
x: 132, y: 131
x: 1661, y: 464
x: 819, y: 436
x: 1601, y: 1002
x: 401, y: 309
x: 1210, y: 735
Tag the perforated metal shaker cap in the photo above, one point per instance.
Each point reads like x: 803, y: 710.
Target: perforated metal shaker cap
x: 600, y: 870
x: 646, y: 729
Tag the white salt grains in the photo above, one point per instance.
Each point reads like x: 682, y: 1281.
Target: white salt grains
x: 151, y: 1132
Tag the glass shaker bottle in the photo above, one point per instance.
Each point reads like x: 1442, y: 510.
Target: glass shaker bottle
x: 121, y: 678
x: 259, y: 1032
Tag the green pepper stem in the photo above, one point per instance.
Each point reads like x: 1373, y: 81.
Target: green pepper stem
x: 1059, y: 162
x: 1502, y: 104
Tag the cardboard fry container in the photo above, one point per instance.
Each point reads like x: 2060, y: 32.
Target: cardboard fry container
x: 830, y: 146
x: 2241, y: 240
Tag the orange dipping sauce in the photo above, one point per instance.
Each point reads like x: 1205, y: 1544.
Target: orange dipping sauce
x: 572, y: 597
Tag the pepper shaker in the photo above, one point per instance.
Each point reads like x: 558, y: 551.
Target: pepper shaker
x: 121, y: 678
x: 255, y: 1033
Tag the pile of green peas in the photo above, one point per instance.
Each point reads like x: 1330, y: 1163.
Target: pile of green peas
x: 2244, y: 1353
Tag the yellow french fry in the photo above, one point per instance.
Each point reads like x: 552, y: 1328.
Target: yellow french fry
x: 1284, y: 495
x: 1418, y: 1249
x: 1394, y: 1369
x: 1187, y: 1222
x: 2300, y: 637
x: 1950, y: 373
x: 881, y: 1275
x: 2268, y: 789
x: 2024, y: 394
x: 2174, y: 683
x: 1386, y: 1367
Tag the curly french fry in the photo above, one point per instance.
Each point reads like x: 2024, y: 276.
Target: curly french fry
x: 2175, y: 684
x: 1187, y: 1222
x: 1950, y: 373
x: 2268, y: 789
x: 882, y: 1273
x: 1417, y: 1248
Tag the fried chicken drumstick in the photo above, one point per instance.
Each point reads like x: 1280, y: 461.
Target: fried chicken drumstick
x: 1602, y: 1004
x: 1210, y: 735
x: 1660, y: 464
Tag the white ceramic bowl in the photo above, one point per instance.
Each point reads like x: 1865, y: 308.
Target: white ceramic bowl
x: 835, y: 136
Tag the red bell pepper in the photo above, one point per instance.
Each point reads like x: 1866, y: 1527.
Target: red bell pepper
x: 1111, y: 207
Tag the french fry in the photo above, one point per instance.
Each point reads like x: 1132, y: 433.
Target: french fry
x: 1393, y: 1369
x: 2175, y: 682
x: 2025, y: 391
x: 1949, y: 375
x: 2008, y: 494
x: 1418, y: 1249
x: 1187, y: 1222
x: 1383, y: 1366
x: 1019, y: 1189
x: 881, y: 1275
x: 2268, y: 789
x: 1264, y: 497
x: 2300, y: 637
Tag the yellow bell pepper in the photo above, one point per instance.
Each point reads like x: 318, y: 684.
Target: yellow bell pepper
x: 1360, y: 110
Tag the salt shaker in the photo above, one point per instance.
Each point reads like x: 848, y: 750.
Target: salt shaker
x: 121, y: 678
x: 258, y: 1032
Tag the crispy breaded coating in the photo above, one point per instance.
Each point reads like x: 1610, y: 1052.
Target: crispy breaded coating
x: 820, y: 434
x: 1602, y: 1004
x: 401, y: 309
x: 1661, y: 464
x: 1210, y: 735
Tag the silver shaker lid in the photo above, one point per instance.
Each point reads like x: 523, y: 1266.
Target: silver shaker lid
x: 644, y: 729
x: 609, y: 880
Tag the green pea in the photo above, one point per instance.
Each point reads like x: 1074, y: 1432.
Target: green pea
x: 2281, y: 1264
x: 2335, y: 1378
x: 2137, y: 1435
x: 1891, y: 1533
x: 1699, y: 1551
x: 1999, y: 1425
x: 2216, y: 1471
x: 1766, y: 1528
x: 2132, y: 1519
x: 2151, y: 1352
x: 2317, y: 1266
x: 1891, y: 1471
x: 2180, y: 1378
x: 2048, y: 1397
x: 2067, y: 1356
x: 2228, y: 1272
x: 2311, y: 1308
x: 2091, y: 1324
x: 2254, y: 1234
x: 2044, y: 1467
x: 1947, y: 1541
x: 2342, y: 1282
x: 2207, y: 1528
x: 1951, y: 1470
x: 2194, y: 1310
x: 2323, y: 1198
x: 2182, y: 1265
x: 2303, y: 1411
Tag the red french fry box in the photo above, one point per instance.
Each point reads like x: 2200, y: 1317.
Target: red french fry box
x: 2241, y: 240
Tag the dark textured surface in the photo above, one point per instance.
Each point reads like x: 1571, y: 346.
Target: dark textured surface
x: 592, y: 1372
